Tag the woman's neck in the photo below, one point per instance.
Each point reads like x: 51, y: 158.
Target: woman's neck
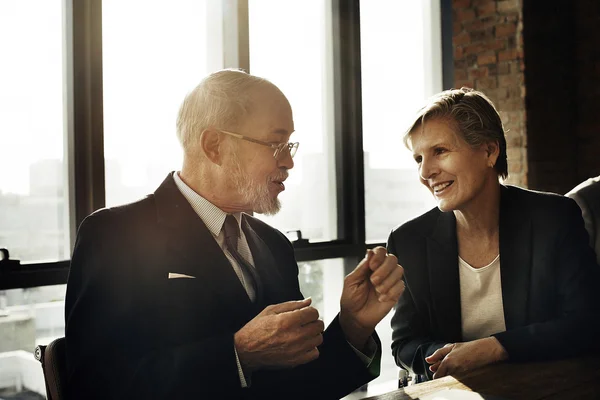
x: 481, y: 217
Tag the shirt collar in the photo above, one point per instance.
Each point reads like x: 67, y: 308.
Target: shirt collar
x: 212, y: 216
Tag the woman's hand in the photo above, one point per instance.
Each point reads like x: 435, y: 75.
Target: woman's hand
x: 456, y: 358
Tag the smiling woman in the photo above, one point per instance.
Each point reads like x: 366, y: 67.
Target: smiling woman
x: 452, y: 170
x: 486, y: 281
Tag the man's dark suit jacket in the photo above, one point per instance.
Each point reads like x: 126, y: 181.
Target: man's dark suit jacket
x: 587, y: 196
x: 134, y: 334
x: 548, y: 274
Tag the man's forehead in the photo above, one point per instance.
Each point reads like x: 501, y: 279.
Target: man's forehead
x: 268, y: 121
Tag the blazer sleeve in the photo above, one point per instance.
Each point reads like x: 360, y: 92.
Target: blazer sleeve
x: 575, y: 330
x: 412, y: 338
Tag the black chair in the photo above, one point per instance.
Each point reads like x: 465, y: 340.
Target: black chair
x: 53, y: 360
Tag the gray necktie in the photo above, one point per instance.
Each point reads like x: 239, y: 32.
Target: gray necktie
x: 232, y: 234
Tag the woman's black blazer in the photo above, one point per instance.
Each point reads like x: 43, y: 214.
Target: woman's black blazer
x: 548, y: 273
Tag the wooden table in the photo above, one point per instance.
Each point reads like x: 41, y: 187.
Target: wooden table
x: 577, y: 378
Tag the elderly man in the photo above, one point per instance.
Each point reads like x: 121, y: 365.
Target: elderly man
x: 183, y: 294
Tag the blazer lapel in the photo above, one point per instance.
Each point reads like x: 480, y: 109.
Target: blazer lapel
x: 194, y: 251
x: 442, y: 262
x: 515, y: 259
x: 274, y: 290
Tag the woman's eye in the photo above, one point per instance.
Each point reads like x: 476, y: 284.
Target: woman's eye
x: 440, y: 150
x: 418, y: 160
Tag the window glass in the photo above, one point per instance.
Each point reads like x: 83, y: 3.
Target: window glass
x: 147, y: 73
x: 322, y: 280
x: 398, y: 74
x: 28, y: 317
x: 401, y: 68
x: 34, y: 223
x: 298, y: 60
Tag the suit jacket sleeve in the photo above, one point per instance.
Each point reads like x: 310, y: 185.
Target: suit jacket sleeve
x: 575, y: 329
x: 412, y: 339
x: 108, y: 359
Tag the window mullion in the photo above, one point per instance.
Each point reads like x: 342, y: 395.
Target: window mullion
x: 85, y: 129
x: 236, y: 41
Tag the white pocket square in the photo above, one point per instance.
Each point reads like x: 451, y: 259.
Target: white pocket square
x: 175, y: 275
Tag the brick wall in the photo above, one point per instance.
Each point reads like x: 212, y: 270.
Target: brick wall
x: 488, y: 56
x: 551, y: 102
x: 562, y: 55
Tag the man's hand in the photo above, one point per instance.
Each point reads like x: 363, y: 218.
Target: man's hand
x: 281, y: 336
x: 456, y: 358
x: 370, y: 292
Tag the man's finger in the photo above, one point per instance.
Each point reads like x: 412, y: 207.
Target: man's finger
x: 384, y: 280
x: 300, y: 317
x: 393, y: 293
x: 288, y: 306
x: 309, y: 356
x: 313, y: 328
x: 379, y: 257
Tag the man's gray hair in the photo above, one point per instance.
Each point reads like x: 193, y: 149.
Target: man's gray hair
x: 474, y: 116
x: 220, y: 101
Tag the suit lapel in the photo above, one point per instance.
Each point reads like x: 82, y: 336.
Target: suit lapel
x: 442, y: 262
x: 515, y: 259
x: 266, y: 266
x: 193, y: 251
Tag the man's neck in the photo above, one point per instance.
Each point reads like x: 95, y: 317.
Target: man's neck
x: 212, y: 190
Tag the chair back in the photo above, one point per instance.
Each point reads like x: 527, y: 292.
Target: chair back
x: 53, y: 360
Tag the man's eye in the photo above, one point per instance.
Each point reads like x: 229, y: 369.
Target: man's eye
x: 418, y: 160
x: 440, y: 150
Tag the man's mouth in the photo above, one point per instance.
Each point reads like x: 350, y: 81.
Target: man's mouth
x: 279, y: 184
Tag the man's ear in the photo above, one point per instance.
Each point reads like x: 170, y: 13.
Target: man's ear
x: 211, y: 143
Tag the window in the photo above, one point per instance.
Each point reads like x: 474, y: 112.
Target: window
x: 34, y: 216
x: 398, y: 74
x: 147, y: 72
x: 53, y: 168
x: 299, y: 61
x: 322, y: 280
x: 28, y: 317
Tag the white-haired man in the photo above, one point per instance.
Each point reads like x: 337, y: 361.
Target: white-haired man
x: 183, y: 294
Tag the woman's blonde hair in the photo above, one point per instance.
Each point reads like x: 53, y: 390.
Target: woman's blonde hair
x: 474, y: 116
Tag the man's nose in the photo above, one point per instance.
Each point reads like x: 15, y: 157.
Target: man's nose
x: 285, y: 160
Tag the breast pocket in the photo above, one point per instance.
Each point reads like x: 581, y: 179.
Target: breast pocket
x: 187, y: 308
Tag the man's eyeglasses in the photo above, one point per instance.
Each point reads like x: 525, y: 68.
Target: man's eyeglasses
x: 280, y: 149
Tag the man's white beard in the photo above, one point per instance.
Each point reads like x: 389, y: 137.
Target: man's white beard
x: 254, y: 193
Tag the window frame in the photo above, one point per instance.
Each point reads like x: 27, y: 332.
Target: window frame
x: 85, y: 135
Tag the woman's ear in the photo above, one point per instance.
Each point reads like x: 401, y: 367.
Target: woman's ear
x: 493, y: 152
x: 211, y: 144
